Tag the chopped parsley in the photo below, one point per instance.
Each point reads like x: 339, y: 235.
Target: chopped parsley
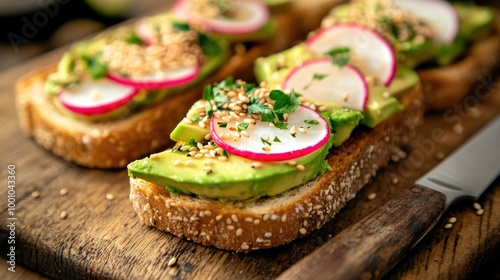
x: 96, y: 68
x: 276, y: 139
x: 311, y: 121
x: 222, y: 124
x: 265, y: 142
x: 242, y: 126
x: 134, y: 39
x: 339, y: 56
x: 180, y: 26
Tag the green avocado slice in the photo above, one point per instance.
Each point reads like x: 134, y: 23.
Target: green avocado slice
x: 234, y: 179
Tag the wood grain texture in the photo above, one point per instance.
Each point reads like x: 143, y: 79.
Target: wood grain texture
x: 370, y: 247
x: 103, y: 238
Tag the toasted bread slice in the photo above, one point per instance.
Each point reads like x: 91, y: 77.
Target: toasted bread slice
x: 273, y: 221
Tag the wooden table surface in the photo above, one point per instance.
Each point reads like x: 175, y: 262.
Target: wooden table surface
x: 103, y: 238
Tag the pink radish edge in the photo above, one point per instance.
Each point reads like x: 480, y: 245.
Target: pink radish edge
x: 267, y: 157
x: 354, y: 69
x: 154, y: 84
x: 380, y: 37
x: 179, y: 9
x: 97, y: 110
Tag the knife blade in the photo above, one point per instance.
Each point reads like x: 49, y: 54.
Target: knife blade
x: 369, y: 248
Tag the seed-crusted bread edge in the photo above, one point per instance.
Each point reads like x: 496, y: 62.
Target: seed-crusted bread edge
x: 270, y: 222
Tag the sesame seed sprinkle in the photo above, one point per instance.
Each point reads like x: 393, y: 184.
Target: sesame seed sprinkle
x: 172, y: 261
x: 35, y: 194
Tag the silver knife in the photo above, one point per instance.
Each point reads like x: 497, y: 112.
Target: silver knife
x: 369, y: 248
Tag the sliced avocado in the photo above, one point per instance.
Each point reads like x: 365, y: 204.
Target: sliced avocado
x: 380, y: 106
x: 185, y: 131
x: 474, y: 20
x: 342, y: 122
x: 404, y: 79
x: 274, y: 68
x: 234, y: 179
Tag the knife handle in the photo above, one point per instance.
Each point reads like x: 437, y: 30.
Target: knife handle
x: 372, y: 246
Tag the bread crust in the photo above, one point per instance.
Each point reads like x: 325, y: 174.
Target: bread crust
x: 270, y: 222
x: 444, y: 87
x: 113, y: 144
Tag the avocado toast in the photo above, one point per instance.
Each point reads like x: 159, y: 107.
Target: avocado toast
x: 245, y: 175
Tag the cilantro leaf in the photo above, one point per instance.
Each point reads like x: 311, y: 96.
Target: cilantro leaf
x: 339, y: 56
x: 311, y: 121
x: 276, y: 139
x: 284, y: 103
x: 180, y: 26
x: 242, y: 126
x: 265, y: 142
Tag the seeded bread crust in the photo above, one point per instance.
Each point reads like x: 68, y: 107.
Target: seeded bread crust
x: 113, y: 144
x: 270, y: 222
x: 444, y: 87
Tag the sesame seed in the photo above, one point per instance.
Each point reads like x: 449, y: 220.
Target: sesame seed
x: 283, y: 218
x: 228, y: 221
x: 248, y: 219
x: 302, y: 231
x: 186, y: 120
x: 439, y: 155
x: 268, y: 234
x: 222, y: 158
x: 234, y: 218
x: 208, y: 162
x: 300, y: 167
x: 207, y: 213
x: 110, y: 196
x: 458, y: 128
x: 386, y: 94
x: 239, y: 232
x: 188, y: 163
x: 448, y: 226
x: 64, y: 215
x: 201, y: 124
x: 245, y: 133
x: 244, y: 246
x: 194, y: 218
x: 266, y: 217
x: 477, y: 206
x: 172, y: 261
x: 302, y: 130
x: 452, y: 220
x: 256, y: 221
x: 208, y: 137
x: 256, y: 164
x: 63, y: 191
x: 480, y: 212
x: 345, y: 96
x: 230, y: 227
x: 218, y: 218
x: 293, y: 130
x: 372, y: 196
x: 292, y: 163
x: 35, y: 194
x: 200, y: 155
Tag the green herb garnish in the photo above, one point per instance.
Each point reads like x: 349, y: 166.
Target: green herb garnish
x: 311, y: 121
x: 222, y: 124
x: 265, y: 142
x: 339, y: 56
x: 276, y: 139
x: 242, y: 126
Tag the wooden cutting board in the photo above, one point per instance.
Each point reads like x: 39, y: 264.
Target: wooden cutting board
x: 101, y: 237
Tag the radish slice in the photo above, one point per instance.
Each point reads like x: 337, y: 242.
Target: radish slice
x: 171, y: 78
x: 440, y: 15
x: 96, y: 97
x: 283, y: 146
x: 144, y: 32
x: 321, y: 80
x: 370, y: 52
x: 253, y: 16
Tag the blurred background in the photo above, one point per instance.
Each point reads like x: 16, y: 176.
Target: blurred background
x: 29, y: 28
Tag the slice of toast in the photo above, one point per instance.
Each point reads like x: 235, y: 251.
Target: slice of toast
x: 273, y: 221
